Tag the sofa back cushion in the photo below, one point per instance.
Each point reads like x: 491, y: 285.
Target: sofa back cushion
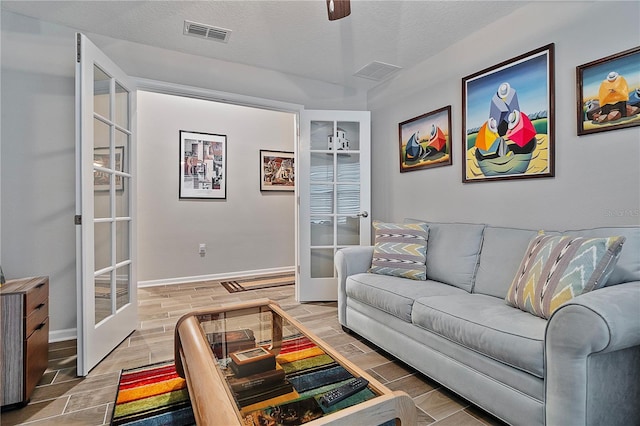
x: 627, y: 268
x: 502, y: 251
x: 453, y: 251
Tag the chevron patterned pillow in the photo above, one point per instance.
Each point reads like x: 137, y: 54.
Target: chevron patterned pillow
x: 400, y: 250
x: 556, y: 269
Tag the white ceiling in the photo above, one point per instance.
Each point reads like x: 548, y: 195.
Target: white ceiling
x: 294, y: 37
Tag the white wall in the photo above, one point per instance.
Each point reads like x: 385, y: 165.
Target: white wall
x: 597, y: 180
x: 37, y: 172
x: 249, y: 230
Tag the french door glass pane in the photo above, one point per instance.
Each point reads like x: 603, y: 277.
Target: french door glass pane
x: 322, y: 263
x: 348, y: 167
x: 320, y: 133
x: 321, y: 199
x: 348, y: 199
x: 102, y: 245
x: 102, y: 296
x: 101, y: 198
x: 348, y: 231
x: 321, y: 231
x: 122, y: 106
x: 122, y: 241
x: 351, y: 132
x: 122, y: 152
x: 101, y: 89
x: 123, y: 276
x: 122, y: 196
x: 321, y: 167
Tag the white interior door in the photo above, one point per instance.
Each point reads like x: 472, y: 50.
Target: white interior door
x: 335, y: 195
x: 105, y: 205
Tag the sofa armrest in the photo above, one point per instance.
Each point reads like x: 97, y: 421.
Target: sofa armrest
x: 350, y: 261
x: 592, y: 350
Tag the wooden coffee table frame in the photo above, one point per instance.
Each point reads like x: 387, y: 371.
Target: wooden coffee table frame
x: 213, y: 402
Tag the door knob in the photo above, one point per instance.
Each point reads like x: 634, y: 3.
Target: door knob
x: 363, y: 214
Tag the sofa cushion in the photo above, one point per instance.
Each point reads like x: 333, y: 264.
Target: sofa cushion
x: 400, y: 250
x: 454, y: 250
x: 628, y: 267
x: 502, y: 250
x: 485, y: 325
x: 557, y: 268
x: 393, y: 295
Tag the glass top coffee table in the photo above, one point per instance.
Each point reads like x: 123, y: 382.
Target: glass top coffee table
x: 253, y: 364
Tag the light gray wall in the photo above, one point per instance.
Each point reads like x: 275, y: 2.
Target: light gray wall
x: 597, y: 180
x: 249, y: 230
x: 37, y: 172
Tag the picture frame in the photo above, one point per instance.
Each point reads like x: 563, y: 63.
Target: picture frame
x: 508, y: 120
x: 277, y: 171
x: 608, y: 93
x: 203, y: 165
x: 425, y: 141
x: 101, y: 158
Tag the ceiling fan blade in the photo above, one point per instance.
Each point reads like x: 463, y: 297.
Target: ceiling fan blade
x: 338, y: 9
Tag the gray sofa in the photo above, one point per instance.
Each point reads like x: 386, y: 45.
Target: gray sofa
x: 582, y: 366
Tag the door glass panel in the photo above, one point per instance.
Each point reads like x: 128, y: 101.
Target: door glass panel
x: 122, y: 152
x: 122, y: 241
x: 322, y: 263
x: 123, y: 276
x: 122, y: 106
x: 122, y: 196
x: 348, y: 231
x: 102, y: 245
x: 321, y: 231
x: 350, y: 131
x: 101, y: 88
x: 101, y: 144
x: 348, y: 167
x: 320, y: 133
x: 321, y: 167
x: 102, y: 296
x: 101, y: 198
x: 348, y: 199
x: 321, y: 199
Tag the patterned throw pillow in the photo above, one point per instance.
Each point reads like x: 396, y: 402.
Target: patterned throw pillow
x: 557, y: 268
x: 400, y: 250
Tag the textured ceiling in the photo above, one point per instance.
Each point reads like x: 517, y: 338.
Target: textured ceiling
x: 294, y: 37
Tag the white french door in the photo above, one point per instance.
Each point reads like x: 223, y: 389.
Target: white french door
x: 334, y: 187
x: 105, y: 205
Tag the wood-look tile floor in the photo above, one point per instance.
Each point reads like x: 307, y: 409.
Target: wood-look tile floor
x: 63, y: 398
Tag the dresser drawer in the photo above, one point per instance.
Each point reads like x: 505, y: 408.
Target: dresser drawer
x: 37, y: 317
x: 36, y: 357
x: 38, y: 294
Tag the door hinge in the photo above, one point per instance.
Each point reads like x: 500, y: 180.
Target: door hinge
x: 78, y: 47
x: 77, y: 219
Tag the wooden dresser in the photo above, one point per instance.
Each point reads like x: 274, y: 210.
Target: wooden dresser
x: 24, y: 312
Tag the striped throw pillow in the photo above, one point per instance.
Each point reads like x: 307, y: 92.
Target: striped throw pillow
x: 400, y: 250
x: 556, y: 269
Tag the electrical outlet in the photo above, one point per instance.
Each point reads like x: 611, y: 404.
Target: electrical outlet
x: 202, y: 249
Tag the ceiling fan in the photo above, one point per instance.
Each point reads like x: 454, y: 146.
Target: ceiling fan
x: 338, y: 9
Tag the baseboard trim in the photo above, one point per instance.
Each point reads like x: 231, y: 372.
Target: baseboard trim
x: 215, y: 277
x: 62, y: 335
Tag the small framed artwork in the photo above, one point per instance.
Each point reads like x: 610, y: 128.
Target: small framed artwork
x: 608, y: 92
x: 508, y: 122
x: 203, y: 165
x: 277, y: 171
x: 102, y: 159
x: 425, y: 141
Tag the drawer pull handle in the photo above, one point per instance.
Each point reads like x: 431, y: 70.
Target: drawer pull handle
x: 39, y: 285
x: 40, y: 306
x: 39, y: 327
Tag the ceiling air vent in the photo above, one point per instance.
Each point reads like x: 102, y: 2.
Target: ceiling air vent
x: 377, y: 71
x: 206, y: 31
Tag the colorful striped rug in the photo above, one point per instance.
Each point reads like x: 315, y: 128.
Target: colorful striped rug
x: 260, y: 282
x: 152, y: 395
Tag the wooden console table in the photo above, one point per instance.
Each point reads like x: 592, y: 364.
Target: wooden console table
x: 25, y: 337
x: 211, y: 396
